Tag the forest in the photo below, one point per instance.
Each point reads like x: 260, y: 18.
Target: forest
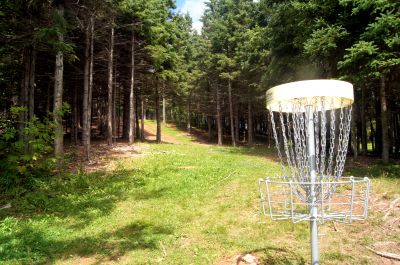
x: 129, y: 137
x: 77, y: 71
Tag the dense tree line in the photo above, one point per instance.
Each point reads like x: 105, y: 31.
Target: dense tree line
x: 78, y: 70
x: 249, y: 46
x: 83, y: 69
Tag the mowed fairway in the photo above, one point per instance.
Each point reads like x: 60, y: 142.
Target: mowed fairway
x: 181, y: 203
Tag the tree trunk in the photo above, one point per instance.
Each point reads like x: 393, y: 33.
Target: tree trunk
x: 23, y: 98
x: 48, y: 100
x: 384, y: 121
x: 125, y: 114
x: 137, y: 113
x: 354, y: 131
x: 158, y: 139
x: 119, y: 114
x: 115, y: 103
x: 219, y: 118
x: 209, y: 120
x: 364, y: 136
x: 236, y: 119
x: 110, y: 88
x: 231, y: 113
x: 189, y: 115
x: 164, y: 106
x: 89, y: 134
x: 85, y: 101
x: 378, y: 121
x: 137, y: 120
x: 142, y: 136
x: 58, y: 94
x: 373, y: 135
x: 75, y: 117
x: 250, y: 125
x: 31, y: 84
x: 269, y: 131
x: 27, y: 94
x: 132, y: 107
x: 87, y: 88
x: 397, y: 134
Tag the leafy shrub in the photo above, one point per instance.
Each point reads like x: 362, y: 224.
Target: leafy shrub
x: 24, y: 152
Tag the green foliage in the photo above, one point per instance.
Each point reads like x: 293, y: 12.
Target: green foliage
x: 358, y: 56
x: 232, y: 49
x: 376, y: 51
x: 24, y: 152
x: 323, y: 42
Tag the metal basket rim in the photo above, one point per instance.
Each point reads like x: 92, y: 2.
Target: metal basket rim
x: 342, y: 180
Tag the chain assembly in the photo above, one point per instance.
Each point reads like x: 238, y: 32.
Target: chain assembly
x: 331, y: 144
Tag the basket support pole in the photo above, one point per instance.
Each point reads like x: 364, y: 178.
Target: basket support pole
x: 313, y: 179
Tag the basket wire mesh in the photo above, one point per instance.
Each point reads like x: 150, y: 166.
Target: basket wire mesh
x: 348, y: 203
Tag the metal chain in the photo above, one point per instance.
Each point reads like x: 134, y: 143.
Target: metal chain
x: 329, y: 161
x: 303, y: 135
x: 323, y: 137
x: 342, y: 153
x: 285, y: 141
x: 301, y: 190
x: 289, y: 119
x: 299, y: 146
x: 340, y: 142
x: 332, y: 140
x: 317, y: 137
x: 297, y: 142
x: 345, y: 141
x: 276, y: 141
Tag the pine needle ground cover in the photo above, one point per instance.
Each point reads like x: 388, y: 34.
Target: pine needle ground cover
x: 182, y: 203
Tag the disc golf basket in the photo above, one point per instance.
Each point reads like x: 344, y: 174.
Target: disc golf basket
x: 311, y: 123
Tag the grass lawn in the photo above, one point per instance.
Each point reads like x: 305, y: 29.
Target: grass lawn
x: 182, y: 203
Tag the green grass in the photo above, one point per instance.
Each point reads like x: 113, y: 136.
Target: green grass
x: 178, y: 204
x: 385, y: 178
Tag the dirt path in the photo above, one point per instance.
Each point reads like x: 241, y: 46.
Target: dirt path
x: 150, y: 132
x: 102, y: 154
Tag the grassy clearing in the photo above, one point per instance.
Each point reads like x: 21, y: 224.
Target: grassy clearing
x: 182, y: 203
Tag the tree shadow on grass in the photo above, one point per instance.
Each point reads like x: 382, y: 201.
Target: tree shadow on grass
x: 256, y: 150
x: 278, y: 256
x: 29, y: 245
x: 150, y: 194
x: 82, y: 196
x: 72, y: 196
x: 33, y: 229
x: 374, y: 169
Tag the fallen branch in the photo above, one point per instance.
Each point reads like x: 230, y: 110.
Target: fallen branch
x: 247, y: 259
x: 160, y: 259
x: 385, y: 254
x: 383, y: 243
x: 335, y: 228
x: 391, y: 207
x: 392, y: 222
x: 163, y: 249
x: 7, y: 206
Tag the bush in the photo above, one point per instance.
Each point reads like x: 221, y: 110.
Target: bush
x: 24, y: 152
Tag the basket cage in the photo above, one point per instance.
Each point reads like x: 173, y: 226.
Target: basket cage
x: 343, y: 200
x: 311, y: 123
